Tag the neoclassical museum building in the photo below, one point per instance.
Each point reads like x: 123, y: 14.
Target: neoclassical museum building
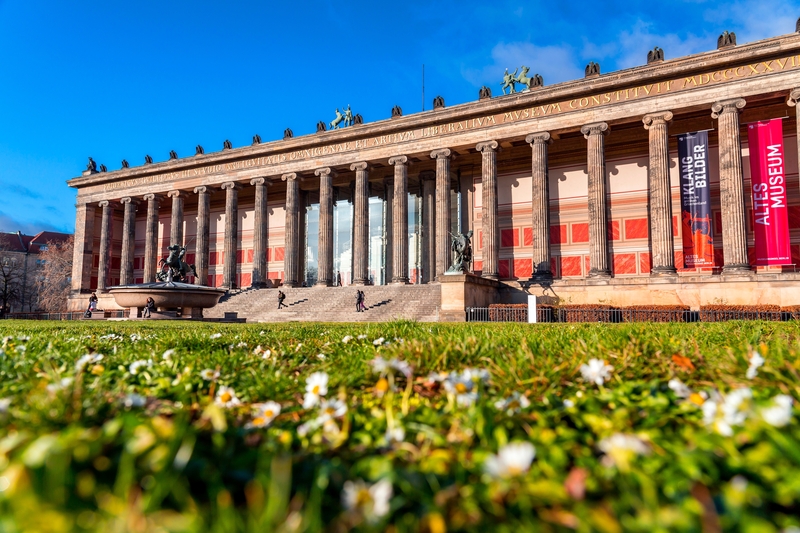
x: 581, y: 191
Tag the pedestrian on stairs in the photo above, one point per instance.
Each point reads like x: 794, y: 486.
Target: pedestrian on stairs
x: 281, y: 298
x: 363, y: 297
x: 359, y: 300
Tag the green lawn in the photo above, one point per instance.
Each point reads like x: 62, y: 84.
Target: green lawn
x: 121, y: 426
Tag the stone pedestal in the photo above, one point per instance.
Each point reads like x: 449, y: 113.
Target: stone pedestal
x: 460, y: 291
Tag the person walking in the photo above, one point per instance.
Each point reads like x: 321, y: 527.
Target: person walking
x: 363, y: 297
x: 338, y: 279
x: 281, y: 298
x: 149, y: 307
x: 359, y: 296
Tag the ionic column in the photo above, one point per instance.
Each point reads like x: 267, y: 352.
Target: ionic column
x: 106, y: 233
x: 388, y: 187
x: 361, y: 225
x: 662, y: 244
x: 291, y: 256
x: 231, y: 233
x: 151, y: 238
x: 176, y: 222
x: 489, y: 222
x: 428, y: 180
x: 540, y: 205
x: 202, y: 244
x: 83, y: 248
x: 260, y: 233
x: 598, y: 219
x: 325, y: 268
x: 731, y: 185
x: 441, y: 242
x: 400, y: 220
x: 128, y: 240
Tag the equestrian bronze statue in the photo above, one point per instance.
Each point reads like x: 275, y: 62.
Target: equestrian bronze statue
x: 173, y: 267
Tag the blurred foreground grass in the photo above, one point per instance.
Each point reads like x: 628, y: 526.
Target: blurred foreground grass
x: 165, y: 427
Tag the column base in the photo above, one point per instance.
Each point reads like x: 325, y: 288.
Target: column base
x: 290, y: 284
x: 361, y: 282
x: 400, y: 281
x: 737, y: 268
x: 594, y: 273
x: 260, y: 285
x: 494, y: 277
x: 324, y: 283
x: 661, y: 271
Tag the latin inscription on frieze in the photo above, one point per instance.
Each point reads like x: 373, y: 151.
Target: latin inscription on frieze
x: 538, y: 111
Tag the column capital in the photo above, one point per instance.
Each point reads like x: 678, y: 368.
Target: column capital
x: 596, y: 128
x: 103, y: 203
x: 793, y: 98
x: 152, y: 196
x: 291, y: 176
x: 203, y: 189
x: 656, y: 119
x: 261, y: 181
x: 443, y: 153
x: 129, y: 200
x: 427, y: 175
x: 487, y: 146
x: 398, y: 160
x: 231, y: 185
x: 541, y: 137
x: 325, y: 171
x: 727, y: 106
x: 177, y: 194
x: 361, y: 165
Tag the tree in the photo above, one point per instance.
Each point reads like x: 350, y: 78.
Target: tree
x: 54, y: 277
x: 12, y: 274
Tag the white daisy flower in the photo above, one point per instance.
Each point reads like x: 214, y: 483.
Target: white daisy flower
x: 513, y: 403
x: 265, y: 414
x: 135, y: 338
x: 209, y: 375
x: 396, y: 434
x: 226, y: 397
x: 167, y: 355
x: 346, y: 339
x: 779, y: 414
x: 63, y: 383
x: 722, y: 414
x: 371, y: 501
x: 462, y: 387
x: 4, y: 405
x: 756, y: 362
x: 511, y: 460
x: 621, y: 448
x: 242, y: 345
x: 141, y: 363
x: 569, y: 403
x: 378, y: 341
x: 361, y: 337
x: 379, y: 365
x: 321, y: 356
x: 134, y: 400
x: 597, y: 371
x: 316, y: 386
x: 332, y: 408
x: 88, y: 359
x: 679, y: 388
x: 215, y: 336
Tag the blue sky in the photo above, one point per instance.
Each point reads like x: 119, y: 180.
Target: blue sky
x: 118, y: 80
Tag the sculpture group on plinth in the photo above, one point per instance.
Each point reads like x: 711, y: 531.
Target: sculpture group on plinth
x: 461, y: 246
x: 345, y: 119
x: 510, y: 80
x: 173, y: 267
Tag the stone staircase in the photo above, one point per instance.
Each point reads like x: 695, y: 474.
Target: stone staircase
x: 333, y: 304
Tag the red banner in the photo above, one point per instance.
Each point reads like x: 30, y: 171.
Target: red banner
x: 768, y: 179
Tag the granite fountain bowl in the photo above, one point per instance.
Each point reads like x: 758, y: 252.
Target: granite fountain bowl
x: 167, y: 295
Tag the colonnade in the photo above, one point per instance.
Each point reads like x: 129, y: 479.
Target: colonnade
x: 436, y: 199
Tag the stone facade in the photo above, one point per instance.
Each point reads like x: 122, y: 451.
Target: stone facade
x: 563, y: 187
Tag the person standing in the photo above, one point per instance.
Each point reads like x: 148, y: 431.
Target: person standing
x: 363, y: 297
x: 92, y: 305
x: 338, y: 279
x: 281, y: 298
x: 359, y: 296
